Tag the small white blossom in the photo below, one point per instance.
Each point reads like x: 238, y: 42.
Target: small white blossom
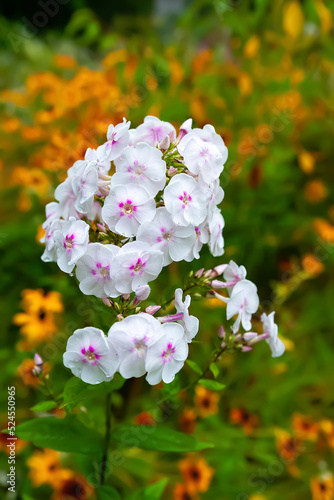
x: 185, y: 201
x: 232, y: 274
x: 71, y: 242
x: 202, y: 237
x: 126, y: 207
x: 93, y: 270
x: 216, y: 240
x: 163, y: 234
x: 207, y: 134
x: 270, y: 328
x: 166, y: 356
x: 90, y: 356
x: 117, y: 140
x: 152, y: 131
x: 141, y: 165
x: 189, y: 323
x: 66, y: 197
x: 244, y: 302
x: 135, y: 265
x: 131, y: 338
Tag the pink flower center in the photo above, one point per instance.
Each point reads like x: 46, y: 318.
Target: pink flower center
x: 69, y: 242
x: 186, y: 198
x: 137, y: 267
x: 90, y: 355
x: 167, y: 354
x: 127, y: 208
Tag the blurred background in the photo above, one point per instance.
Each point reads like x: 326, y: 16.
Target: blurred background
x: 262, y: 73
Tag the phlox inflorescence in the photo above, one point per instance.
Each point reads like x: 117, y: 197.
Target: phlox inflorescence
x: 143, y: 199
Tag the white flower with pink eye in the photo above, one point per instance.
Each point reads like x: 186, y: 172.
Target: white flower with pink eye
x: 206, y: 134
x: 135, y: 265
x: 166, y: 356
x: 84, y: 180
x: 126, y: 207
x: 117, y: 140
x: 185, y: 201
x: 141, y: 165
x: 270, y: 328
x: 202, y: 237
x: 50, y: 252
x: 232, y: 274
x: 189, y: 323
x: 203, y: 159
x: 66, y: 197
x: 244, y: 302
x: 216, y: 240
x: 131, y: 338
x: 90, y: 356
x: 71, y: 242
x: 152, y: 131
x: 93, y: 270
x: 163, y: 234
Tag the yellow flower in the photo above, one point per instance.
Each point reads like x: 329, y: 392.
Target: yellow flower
x: 74, y: 487
x: 196, y: 474
x: 241, y: 417
x: 325, y: 16
x: 25, y: 372
x: 251, y: 47
x: 312, y: 265
x: 293, y: 18
x: 306, y: 161
x: 187, y: 421
x: 45, y: 468
x: 305, y: 427
x: 206, y: 401
x: 182, y: 492
x: 245, y: 83
x: 64, y: 61
x: 322, y: 487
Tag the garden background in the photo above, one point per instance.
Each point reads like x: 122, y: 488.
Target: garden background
x: 262, y: 73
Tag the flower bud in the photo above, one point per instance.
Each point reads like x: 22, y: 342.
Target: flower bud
x: 221, y: 332
x: 164, y: 143
x: 142, y: 293
x: 38, y: 368
x: 152, y: 309
x: 246, y: 348
x: 217, y: 284
x: 108, y: 302
x: 172, y: 171
x: 218, y: 270
x: 199, y: 273
x: 249, y: 336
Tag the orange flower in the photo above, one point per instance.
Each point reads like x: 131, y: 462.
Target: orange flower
x: 25, y: 372
x: 37, y: 323
x: 327, y: 428
x: 33, y: 178
x: 45, y: 468
x: 322, y: 487
x: 312, y: 265
x: 196, y: 474
x: 182, y: 492
x: 206, y: 401
x: 305, y: 427
x: 64, y: 61
x: 315, y: 191
x: 187, y: 421
x: 241, y: 417
x: 288, y: 447
x: 245, y: 83
x: 324, y: 229
x: 11, y: 125
x: 144, y: 418
x: 74, y: 487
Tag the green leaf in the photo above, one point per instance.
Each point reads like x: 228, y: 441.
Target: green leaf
x: 151, y: 492
x: 213, y: 385
x: 108, y: 493
x: 44, y: 406
x: 62, y: 434
x: 149, y: 437
x: 76, y: 391
x: 214, y: 370
x: 194, y: 366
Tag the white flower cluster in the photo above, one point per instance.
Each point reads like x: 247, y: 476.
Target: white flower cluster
x: 243, y: 302
x: 136, y: 345
x: 143, y: 199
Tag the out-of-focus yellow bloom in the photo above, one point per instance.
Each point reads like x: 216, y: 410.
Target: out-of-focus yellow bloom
x: 196, y: 474
x: 187, y: 420
x: 288, y: 446
x: 45, y: 468
x: 206, y: 401
x: 322, y: 487
x: 33, y: 178
x: 312, y: 265
x: 325, y: 16
x: 324, y: 229
x: 182, y: 492
x: 115, y: 57
x: 11, y: 125
x: 305, y: 427
x: 245, y: 83
x: 293, y: 18
x: 252, y: 47
x: 74, y: 487
x: 306, y: 161
x: 25, y: 372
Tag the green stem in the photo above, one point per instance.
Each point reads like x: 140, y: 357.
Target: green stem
x: 106, y: 439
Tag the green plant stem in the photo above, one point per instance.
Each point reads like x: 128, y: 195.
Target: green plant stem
x: 106, y: 439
